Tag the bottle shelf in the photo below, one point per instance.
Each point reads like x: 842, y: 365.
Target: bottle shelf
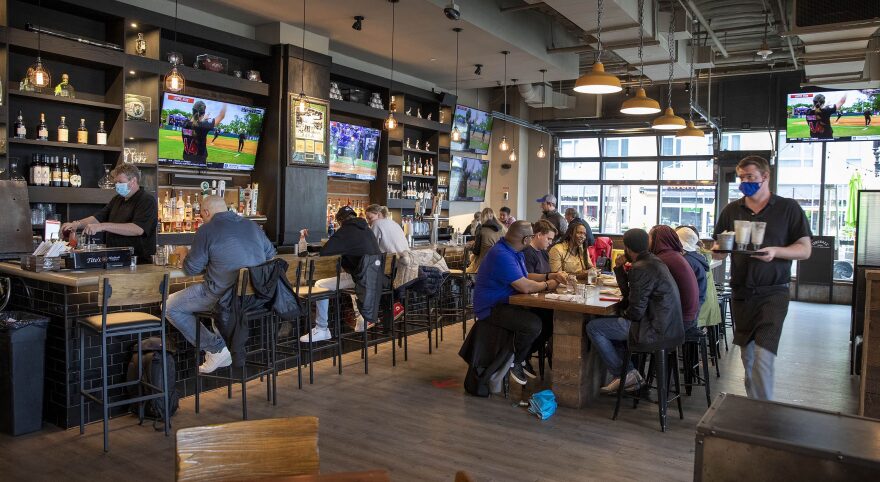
x: 64, y: 145
x: 69, y: 195
x: 357, y: 109
x: 419, y: 151
x: 65, y: 100
x: 418, y: 176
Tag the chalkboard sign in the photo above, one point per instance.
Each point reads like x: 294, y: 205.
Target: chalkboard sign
x: 819, y: 268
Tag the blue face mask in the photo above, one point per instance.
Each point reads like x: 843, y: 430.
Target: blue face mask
x: 749, y: 189
x: 122, y: 189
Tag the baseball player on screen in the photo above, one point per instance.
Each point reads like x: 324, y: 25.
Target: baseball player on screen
x: 195, y: 133
x: 819, y: 118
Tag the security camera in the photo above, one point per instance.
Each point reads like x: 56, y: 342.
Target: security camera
x: 357, y: 25
x: 452, y: 11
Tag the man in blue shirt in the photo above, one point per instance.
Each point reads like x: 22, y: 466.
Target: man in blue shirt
x: 226, y: 243
x: 502, y: 274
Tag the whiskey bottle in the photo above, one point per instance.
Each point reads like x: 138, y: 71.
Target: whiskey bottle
x: 63, y: 135
x: 82, y: 134
x: 65, y: 172
x: 44, y: 177
x: 20, y: 129
x: 56, y: 172
x: 42, y: 130
x: 102, y: 134
x: 75, y: 173
x: 34, y: 170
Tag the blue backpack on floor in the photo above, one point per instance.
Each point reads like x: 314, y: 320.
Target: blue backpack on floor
x: 543, y: 404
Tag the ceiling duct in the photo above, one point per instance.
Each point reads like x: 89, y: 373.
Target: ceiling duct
x: 542, y: 95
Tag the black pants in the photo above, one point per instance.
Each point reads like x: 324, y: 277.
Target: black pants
x: 546, y: 317
x: 525, y: 325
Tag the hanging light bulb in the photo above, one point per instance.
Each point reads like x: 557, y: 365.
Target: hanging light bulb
x: 640, y: 104
x: 390, y: 122
x: 503, y: 146
x: 669, y: 121
x: 512, y: 156
x: 541, y: 152
x: 174, y: 82
x: 597, y: 81
x: 38, y: 75
x: 455, y: 136
x: 302, y: 106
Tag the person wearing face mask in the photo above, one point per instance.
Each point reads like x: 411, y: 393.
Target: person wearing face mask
x: 128, y: 220
x: 225, y: 243
x: 760, y: 283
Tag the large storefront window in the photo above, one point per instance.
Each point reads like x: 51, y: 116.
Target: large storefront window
x: 847, y: 164
x: 799, y: 176
x: 587, y: 147
x: 747, y: 141
x: 643, y: 146
x: 629, y: 206
x: 689, y: 206
x: 584, y: 198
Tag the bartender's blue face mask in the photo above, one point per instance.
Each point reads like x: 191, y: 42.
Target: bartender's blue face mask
x: 122, y: 188
x: 750, y: 184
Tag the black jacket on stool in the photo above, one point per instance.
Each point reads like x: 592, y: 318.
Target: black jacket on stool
x: 361, y: 258
x: 651, y: 303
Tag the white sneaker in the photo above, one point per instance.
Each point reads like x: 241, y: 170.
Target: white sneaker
x: 318, y: 334
x: 213, y: 361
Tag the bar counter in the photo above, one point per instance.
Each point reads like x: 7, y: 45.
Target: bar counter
x: 64, y: 296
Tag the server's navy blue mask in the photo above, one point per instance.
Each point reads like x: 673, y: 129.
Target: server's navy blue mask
x: 749, y: 189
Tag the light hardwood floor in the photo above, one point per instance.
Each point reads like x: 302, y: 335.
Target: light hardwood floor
x: 416, y: 421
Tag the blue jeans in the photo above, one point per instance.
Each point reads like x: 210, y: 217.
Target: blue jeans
x: 181, y: 310
x: 609, y: 337
x: 758, y: 366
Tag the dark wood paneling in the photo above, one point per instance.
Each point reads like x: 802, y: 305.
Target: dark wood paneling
x: 270, y: 161
x: 305, y: 197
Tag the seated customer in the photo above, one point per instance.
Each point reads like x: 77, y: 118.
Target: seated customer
x: 489, y: 232
x: 225, y: 243
x: 391, y: 239
x: 650, y: 298
x: 699, y: 264
x: 710, y: 312
x: 664, y: 243
x: 474, y: 226
x: 538, y: 262
x: 352, y: 240
x: 505, y: 218
x: 504, y: 275
x: 569, y: 255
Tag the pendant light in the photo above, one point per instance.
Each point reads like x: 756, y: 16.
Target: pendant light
x: 456, y: 134
x: 174, y: 81
x: 391, y: 122
x: 512, y: 157
x: 503, y: 146
x: 690, y: 131
x: 302, y: 105
x: 541, y: 152
x: 597, y: 81
x: 37, y: 74
x: 669, y: 121
x: 641, y: 104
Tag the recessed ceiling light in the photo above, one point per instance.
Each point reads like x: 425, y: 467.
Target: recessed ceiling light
x: 131, y: 138
x: 134, y: 25
x: 432, y: 59
x: 131, y: 72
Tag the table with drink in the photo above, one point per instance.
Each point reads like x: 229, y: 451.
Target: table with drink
x: 577, y: 370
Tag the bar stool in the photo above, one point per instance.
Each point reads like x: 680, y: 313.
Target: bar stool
x: 262, y: 358
x: 322, y: 267
x: 388, y: 267
x: 116, y: 290
x: 694, y: 353
x: 453, y: 294
x: 661, y: 364
x: 291, y: 348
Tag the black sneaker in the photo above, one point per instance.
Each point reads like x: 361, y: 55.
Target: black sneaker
x: 518, y: 374
x: 528, y: 370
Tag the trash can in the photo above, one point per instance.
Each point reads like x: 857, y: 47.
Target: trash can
x: 22, y: 355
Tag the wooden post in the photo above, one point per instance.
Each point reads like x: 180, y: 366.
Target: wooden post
x: 577, y: 371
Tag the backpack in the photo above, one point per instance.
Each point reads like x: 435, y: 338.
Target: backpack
x: 152, y: 374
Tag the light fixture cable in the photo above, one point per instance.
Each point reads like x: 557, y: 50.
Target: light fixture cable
x: 302, y: 105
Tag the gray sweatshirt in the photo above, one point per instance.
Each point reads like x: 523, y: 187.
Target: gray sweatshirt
x: 390, y: 236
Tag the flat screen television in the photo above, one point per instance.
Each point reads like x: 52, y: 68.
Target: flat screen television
x: 839, y: 115
x: 475, y: 127
x: 353, y: 151
x: 196, y: 132
x: 468, y: 178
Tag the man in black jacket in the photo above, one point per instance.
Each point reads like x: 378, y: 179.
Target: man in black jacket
x: 651, y: 315
x: 548, y: 207
x: 352, y: 240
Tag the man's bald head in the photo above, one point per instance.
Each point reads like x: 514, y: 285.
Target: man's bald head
x: 517, y: 233
x: 212, y: 205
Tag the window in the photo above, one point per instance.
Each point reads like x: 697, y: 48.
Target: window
x: 747, y: 141
x: 629, y: 171
x: 642, y: 146
x: 687, y: 170
x: 797, y: 179
x: 587, y: 147
x: 579, y: 171
x: 626, y: 207
x: 687, y: 146
x: 583, y: 198
x: 689, y: 206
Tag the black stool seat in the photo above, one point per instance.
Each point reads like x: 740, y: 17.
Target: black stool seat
x: 123, y: 320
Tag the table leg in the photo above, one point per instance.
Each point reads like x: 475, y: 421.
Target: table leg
x: 577, y: 371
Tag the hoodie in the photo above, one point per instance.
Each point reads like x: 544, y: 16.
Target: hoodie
x: 352, y: 240
x: 488, y: 234
x: 666, y: 246
x: 700, y: 266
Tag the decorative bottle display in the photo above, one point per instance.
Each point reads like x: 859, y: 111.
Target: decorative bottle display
x: 82, y: 134
x: 45, y: 174
x: 101, y: 134
x: 64, y: 89
x: 75, y: 173
x: 56, y: 172
x: 65, y: 172
x: 20, y: 128
x: 107, y: 182
x: 42, y: 129
x: 62, y: 130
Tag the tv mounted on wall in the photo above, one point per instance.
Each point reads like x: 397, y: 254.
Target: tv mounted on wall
x: 468, y: 178
x: 475, y: 127
x: 838, y: 115
x: 353, y: 151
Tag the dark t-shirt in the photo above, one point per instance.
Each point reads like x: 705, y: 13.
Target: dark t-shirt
x: 195, y: 140
x: 820, y: 122
x: 786, y: 223
x: 140, y: 209
x: 536, y: 261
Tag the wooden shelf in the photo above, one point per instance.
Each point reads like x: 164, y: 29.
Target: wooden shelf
x: 65, y: 145
x: 69, y: 195
x: 357, y: 109
x: 65, y: 100
x: 400, y: 203
x: 140, y: 131
x: 67, y: 50
x: 418, y: 176
x: 395, y: 160
x: 424, y: 124
x: 419, y: 151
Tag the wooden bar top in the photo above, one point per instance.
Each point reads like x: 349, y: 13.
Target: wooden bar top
x: 602, y: 308
x: 80, y: 278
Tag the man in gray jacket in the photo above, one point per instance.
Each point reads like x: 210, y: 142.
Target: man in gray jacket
x: 548, y: 207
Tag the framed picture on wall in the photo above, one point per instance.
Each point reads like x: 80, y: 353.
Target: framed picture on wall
x: 308, y: 132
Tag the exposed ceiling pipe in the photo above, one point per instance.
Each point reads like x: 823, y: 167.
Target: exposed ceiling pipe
x: 528, y: 6
x: 783, y: 17
x: 605, y: 46
x: 717, y: 75
x: 715, y: 40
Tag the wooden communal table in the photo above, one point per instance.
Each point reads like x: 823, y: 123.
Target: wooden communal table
x: 577, y: 370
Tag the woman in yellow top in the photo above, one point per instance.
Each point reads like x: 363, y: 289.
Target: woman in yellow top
x: 568, y: 255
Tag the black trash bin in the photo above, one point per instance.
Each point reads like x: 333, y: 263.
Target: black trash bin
x: 22, y: 355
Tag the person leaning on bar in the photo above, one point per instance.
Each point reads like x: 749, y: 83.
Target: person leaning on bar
x: 506, y: 275
x: 128, y: 220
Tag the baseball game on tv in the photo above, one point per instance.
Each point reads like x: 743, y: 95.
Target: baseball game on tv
x: 843, y: 115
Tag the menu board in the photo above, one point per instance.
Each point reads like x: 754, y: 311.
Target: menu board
x: 819, y: 268
x: 308, y: 132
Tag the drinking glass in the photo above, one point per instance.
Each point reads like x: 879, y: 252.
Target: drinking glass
x: 758, y: 229
x: 743, y: 233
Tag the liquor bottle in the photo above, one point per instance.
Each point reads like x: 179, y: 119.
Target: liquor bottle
x: 187, y: 215
x: 65, y: 172
x: 20, y: 128
x: 41, y: 172
x: 33, y: 169
x: 42, y: 130
x: 181, y: 207
x: 62, y: 131
x: 101, y: 134
x: 56, y: 172
x: 197, y: 211
x: 166, y: 213
x: 82, y: 134
x: 75, y: 173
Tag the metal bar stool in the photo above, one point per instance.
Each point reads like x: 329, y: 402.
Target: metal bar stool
x: 382, y: 331
x: 124, y: 290
x: 290, y: 349
x: 695, y: 352
x: 318, y: 268
x: 662, y: 364
x: 262, y: 358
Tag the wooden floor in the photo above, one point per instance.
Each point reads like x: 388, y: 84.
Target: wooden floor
x: 416, y: 421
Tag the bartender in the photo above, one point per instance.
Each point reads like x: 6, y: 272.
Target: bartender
x: 128, y: 220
